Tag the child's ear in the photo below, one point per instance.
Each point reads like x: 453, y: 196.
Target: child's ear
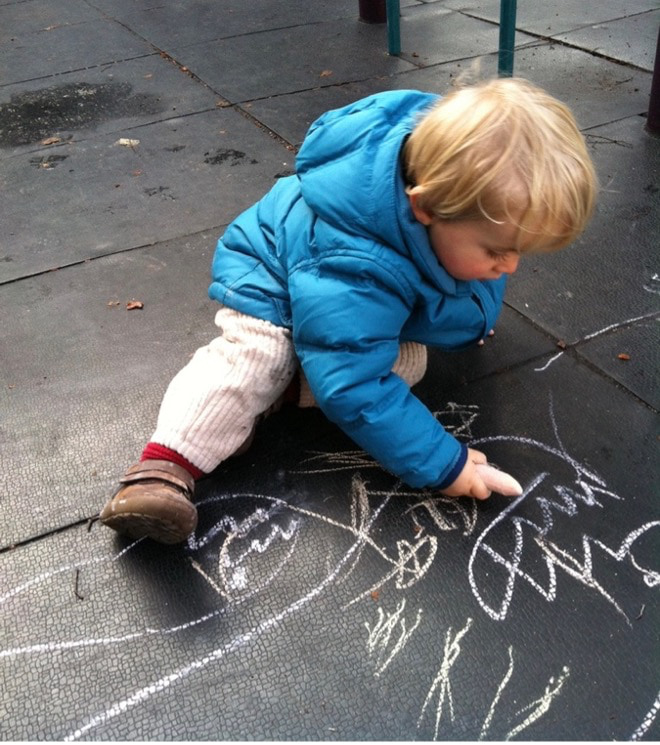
x: 421, y: 215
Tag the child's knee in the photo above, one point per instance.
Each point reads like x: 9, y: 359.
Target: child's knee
x: 411, y: 362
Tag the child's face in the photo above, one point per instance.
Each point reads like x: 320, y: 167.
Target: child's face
x: 471, y: 249
x: 474, y: 249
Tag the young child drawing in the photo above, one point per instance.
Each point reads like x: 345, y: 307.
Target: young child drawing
x: 405, y: 216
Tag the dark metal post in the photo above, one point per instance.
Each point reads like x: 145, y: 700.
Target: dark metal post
x: 372, y: 11
x: 393, y: 28
x: 653, y: 117
x: 507, y: 38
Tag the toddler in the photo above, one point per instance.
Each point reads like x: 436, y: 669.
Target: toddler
x: 405, y: 216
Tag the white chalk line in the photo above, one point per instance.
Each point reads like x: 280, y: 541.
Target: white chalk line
x: 442, y: 680
x: 647, y: 721
x: 242, y: 529
x: 68, y: 568
x: 565, y: 501
x: 617, y: 325
x: 541, y: 705
x: 379, y: 636
x: 498, y: 695
x: 240, y: 641
x: 548, y: 363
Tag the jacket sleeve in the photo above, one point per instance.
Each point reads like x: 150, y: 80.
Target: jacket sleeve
x: 346, y: 330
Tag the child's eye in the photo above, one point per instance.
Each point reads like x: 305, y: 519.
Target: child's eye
x: 500, y: 255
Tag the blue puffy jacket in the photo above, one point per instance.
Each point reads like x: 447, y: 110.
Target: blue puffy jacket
x: 335, y: 254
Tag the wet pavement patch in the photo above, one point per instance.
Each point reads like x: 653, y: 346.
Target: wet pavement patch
x: 31, y: 116
x: 226, y: 155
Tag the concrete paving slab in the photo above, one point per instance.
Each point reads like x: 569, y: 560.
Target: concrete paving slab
x: 35, y: 16
x: 599, y: 281
x: 99, y: 100
x: 192, y: 22
x: 554, y: 17
x: 630, y: 356
x: 633, y: 40
x: 82, y: 377
x: 84, y: 199
x: 307, y: 57
x: 432, y: 34
x: 309, y: 595
x: 598, y: 91
x: 66, y: 48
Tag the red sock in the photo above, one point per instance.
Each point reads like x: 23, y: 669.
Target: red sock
x: 154, y: 451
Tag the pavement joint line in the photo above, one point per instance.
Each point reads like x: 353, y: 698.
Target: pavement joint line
x: 58, y: 74
x: 214, y: 229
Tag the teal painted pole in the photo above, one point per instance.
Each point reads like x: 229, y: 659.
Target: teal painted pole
x: 393, y: 27
x: 507, y: 38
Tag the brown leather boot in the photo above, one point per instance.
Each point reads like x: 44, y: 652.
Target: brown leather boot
x: 153, y: 502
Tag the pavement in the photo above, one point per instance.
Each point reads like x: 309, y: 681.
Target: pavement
x: 319, y: 599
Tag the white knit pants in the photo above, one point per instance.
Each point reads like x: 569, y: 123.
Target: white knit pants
x: 210, y: 407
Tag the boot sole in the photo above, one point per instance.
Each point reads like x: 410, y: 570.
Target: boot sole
x: 135, y: 525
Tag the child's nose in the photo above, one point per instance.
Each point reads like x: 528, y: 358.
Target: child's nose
x: 509, y: 262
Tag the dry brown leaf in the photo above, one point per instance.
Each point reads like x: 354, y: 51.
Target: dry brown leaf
x: 623, y: 356
x: 561, y: 344
x: 50, y: 140
x: 134, y: 305
x: 375, y: 594
x: 325, y: 74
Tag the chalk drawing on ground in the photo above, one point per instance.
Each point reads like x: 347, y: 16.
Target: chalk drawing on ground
x: 441, y: 703
x: 389, y: 635
x: 241, y: 556
x: 515, y: 531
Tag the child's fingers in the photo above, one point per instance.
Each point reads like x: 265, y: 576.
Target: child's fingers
x: 479, y: 489
x: 481, y: 341
x: 499, y: 481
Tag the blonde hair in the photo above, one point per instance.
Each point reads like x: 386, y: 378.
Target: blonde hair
x: 506, y: 151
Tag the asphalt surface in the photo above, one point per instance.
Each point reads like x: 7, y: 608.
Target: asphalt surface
x: 319, y: 598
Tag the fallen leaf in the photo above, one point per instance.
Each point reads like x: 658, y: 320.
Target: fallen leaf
x: 50, y: 140
x: 325, y: 74
x: 127, y: 142
x: 561, y: 344
x: 623, y: 356
x: 134, y: 305
x: 375, y: 594
x: 113, y: 303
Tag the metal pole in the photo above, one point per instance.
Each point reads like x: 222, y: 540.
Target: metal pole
x: 507, y: 38
x: 393, y: 28
x: 653, y: 116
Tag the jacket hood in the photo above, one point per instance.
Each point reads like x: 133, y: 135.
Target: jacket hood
x: 359, y: 148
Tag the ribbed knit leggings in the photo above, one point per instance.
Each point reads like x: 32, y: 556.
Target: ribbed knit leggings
x: 210, y: 407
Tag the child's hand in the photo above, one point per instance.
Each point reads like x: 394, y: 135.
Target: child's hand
x: 469, y: 483
x: 490, y: 333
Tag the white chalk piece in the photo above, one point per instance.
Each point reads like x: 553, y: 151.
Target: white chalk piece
x: 499, y: 481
